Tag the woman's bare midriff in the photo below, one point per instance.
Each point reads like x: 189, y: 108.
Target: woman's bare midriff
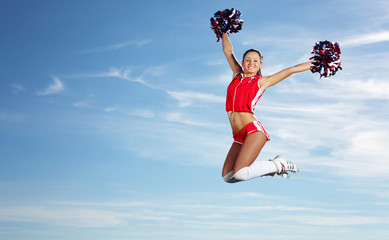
x: 239, y: 120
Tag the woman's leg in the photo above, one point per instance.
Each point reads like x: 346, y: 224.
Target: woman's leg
x: 240, y: 164
x: 245, y: 166
x: 250, y: 150
x: 229, y: 163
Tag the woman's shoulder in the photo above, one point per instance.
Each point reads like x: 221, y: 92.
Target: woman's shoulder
x: 262, y: 82
x: 237, y: 75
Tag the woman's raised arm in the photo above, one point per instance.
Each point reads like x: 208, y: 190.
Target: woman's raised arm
x: 228, y: 51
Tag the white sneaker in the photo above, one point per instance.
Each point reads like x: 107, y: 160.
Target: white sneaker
x: 284, y: 166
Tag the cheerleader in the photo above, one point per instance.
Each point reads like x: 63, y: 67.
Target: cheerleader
x: 244, y: 91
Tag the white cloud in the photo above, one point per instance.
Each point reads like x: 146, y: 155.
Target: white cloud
x: 222, y: 79
x: 179, y: 118
x: 110, y: 109
x: 81, y: 105
x: 144, y: 113
x: 297, y: 36
x: 365, y: 39
x: 334, y: 220
x: 370, y: 88
x: 118, y: 46
x: 115, y: 72
x: 187, y: 98
x: 122, y: 214
x: 280, y: 208
x: 55, y: 87
x: 216, y: 62
x: 108, y: 204
x: 366, y: 155
x: 341, y: 89
x: 355, y: 141
x: 337, y: 123
x: 76, y: 217
x: 155, y: 71
x: 122, y: 73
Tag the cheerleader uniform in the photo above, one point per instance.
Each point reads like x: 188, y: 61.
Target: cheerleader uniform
x: 243, y: 94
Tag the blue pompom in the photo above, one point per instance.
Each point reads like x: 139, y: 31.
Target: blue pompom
x: 226, y: 21
x: 325, y: 58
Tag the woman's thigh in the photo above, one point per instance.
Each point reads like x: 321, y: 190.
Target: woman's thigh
x: 250, y: 150
x: 232, y: 155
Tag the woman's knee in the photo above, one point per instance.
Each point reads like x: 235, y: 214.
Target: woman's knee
x: 229, y: 177
x: 242, y: 174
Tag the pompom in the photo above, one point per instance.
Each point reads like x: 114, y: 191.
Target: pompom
x: 325, y: 58
x: 226, y: 22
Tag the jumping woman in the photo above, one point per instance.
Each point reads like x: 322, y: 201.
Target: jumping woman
x: 245, y: 89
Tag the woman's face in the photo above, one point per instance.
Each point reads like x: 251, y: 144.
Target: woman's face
x: 251, y: 63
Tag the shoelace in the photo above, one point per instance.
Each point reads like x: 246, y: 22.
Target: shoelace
x: 289, y: 167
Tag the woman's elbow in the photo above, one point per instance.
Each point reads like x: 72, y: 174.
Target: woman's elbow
x: 227, y: 50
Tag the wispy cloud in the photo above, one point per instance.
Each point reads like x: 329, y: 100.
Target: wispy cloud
x: 122, y: 73
x: 366, y: 155
x: 371, y: 88
x: 118, y: 46
x: 334, y: 220
x: 187, y: 98
x: 55, y: 87
x: 341, y: 89
x: 144, y: 113
x: 76, y: 217
x: 352, y: 130
x: 116, y: 214
x: 81, y: 105
x: 365, y: 39
x: 113, y: 72
x: 108, y: 204
x: 179, y: 118
x: 354, y: 144
x: 111, y: 109
x: 215, y: 62
x: 151, y: 141
x: 17, y: 88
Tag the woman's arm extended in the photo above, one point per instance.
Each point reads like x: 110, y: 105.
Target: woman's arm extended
x: 271, y: 80
x: 228, y: 51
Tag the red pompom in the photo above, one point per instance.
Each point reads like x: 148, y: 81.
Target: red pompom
x: 326, y: 58
x: 226, y: 22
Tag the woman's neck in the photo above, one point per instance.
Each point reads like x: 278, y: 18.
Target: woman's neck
x: 249, y: 74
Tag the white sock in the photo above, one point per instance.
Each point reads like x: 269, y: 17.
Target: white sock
x: 256, y: 169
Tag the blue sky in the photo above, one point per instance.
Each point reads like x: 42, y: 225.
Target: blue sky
x: 113, y: 123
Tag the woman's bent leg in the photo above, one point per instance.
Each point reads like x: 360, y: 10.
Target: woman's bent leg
x: 229, y: 163
x: 245, y: 168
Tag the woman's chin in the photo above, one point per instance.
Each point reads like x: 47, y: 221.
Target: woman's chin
x: 250, y: 72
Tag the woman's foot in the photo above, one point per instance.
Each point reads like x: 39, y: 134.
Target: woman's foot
x: 283, y: 167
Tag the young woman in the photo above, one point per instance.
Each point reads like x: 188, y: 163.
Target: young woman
x: 245, y: 89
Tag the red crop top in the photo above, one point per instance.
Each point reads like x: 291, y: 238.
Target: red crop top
x: 243, y: 94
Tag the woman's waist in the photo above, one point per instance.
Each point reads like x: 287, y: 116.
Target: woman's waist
x: 239, y: 120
